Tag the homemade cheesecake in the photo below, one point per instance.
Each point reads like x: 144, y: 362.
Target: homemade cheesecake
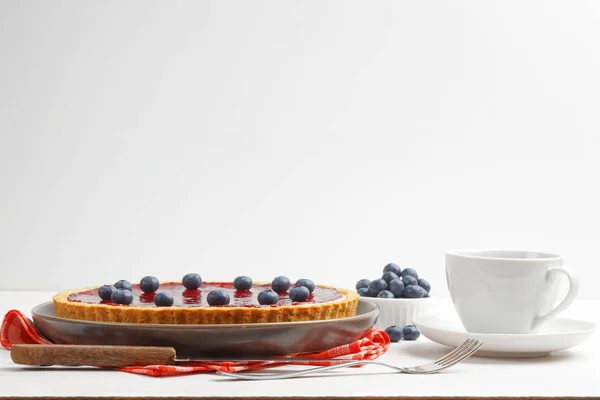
x: 190, y: 306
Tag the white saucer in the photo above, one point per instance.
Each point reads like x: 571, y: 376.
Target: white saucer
x: 557, y: 334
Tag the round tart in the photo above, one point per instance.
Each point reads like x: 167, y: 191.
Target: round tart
x: 191, y: 307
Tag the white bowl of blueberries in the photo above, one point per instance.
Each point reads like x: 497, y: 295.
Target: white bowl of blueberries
x: 400, y: 294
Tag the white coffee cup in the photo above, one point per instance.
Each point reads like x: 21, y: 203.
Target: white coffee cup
x: 506, y: 291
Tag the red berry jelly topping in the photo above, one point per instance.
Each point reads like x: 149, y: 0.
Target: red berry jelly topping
x: 197, y: 298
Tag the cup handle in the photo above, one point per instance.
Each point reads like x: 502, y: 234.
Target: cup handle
x: 569, y: 298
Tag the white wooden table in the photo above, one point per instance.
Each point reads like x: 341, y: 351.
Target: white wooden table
x: 570, y: 373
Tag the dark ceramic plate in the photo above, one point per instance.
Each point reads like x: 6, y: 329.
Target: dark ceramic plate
x: 248, y: 340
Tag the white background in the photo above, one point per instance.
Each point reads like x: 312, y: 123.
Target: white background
x: 317, y: 139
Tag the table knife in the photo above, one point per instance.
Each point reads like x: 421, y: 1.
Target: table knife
x: 121, y: 356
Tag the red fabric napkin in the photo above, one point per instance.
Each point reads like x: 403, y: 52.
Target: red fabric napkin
x: 18, y: 329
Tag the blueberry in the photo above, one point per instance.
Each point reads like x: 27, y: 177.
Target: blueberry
x: 410, y: 332
x: 394, y: 332
x: 424, y: 284
x: 397, y: 288
x: 388, y: 276
x: 299, y: 293
x: 414, y: 292
x: 409, y: 280
x: 377, y: 286
x: 391, y: 267
x: 121, y: 296
x: 149, y: 284
x: 217, y: 298
x: 280, y: 284
x: 163, y: 299
x: 385, y: 294
x: 191, y: 281
x: 123, y: 284
x: 363, y: 283
x: 409, y: 271
x: 307, y: 283
x: 363, y: 292
x: 242, y: 283
x: 267, y: 297
x: 105, y: 291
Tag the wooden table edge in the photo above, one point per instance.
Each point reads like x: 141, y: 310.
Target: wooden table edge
x: 306, y: 398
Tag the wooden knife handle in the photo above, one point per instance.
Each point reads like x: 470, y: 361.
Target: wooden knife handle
x: 97, y: 356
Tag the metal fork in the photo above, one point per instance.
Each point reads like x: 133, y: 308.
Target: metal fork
x: 462, y: 352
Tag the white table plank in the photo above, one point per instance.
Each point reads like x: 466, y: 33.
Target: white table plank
x: 571, y: 373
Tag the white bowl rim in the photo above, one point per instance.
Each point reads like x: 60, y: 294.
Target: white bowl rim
x: 400, y: 300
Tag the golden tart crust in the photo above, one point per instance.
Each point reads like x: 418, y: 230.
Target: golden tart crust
x: 340, y: 308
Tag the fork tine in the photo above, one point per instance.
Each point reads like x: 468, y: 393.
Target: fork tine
x: 453, y: 357
x: 463, y: 357
x: 457, y: 350
x: 470, y: 350
x: 456, y: 355
x: 463, y: 354
x: 454, y: 351
x: 476, y: 348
